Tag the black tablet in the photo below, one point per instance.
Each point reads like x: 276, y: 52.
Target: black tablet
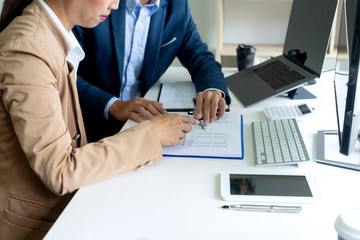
x: 292, y: 188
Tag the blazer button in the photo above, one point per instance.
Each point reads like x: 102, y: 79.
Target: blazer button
x: 149, y: 163
x: 77, y: 137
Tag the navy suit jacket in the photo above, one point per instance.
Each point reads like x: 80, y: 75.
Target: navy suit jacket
x: 100, y: 73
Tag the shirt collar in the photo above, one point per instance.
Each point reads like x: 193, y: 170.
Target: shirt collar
x: 76, y: 50
x: 131, y: 4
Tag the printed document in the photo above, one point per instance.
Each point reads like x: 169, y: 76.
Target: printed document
x: 178, y: 96
x: 221, y: 139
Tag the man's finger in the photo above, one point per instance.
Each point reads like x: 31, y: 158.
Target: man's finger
x: 136, y: 117
x: 159, y: 107
x: 151, y: 108
x: 142, y: 111
x: 198, y: 105
x: 222, y: 108
x: 206, y: 111
x: 214, y: 108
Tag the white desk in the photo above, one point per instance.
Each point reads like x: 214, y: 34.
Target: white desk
x: 179, y: 198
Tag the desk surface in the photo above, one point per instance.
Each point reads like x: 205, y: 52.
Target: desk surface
x: 179, y: 198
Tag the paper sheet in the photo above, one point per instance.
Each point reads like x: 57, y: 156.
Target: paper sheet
x: 222, y: 139
x: 178, y: 96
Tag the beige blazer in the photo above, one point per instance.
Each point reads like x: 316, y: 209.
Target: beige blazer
x: 43, y: 161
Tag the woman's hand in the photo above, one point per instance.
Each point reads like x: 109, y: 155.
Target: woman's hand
x: 171, y: 128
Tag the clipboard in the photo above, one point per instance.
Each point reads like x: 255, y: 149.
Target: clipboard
x: 179, y: 96
x: 223, y: 139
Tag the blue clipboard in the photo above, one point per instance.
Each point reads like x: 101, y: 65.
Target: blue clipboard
x: 175, y: 153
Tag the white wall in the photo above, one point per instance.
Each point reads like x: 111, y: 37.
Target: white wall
x: 245, y: 21
x: 204, y: 13
x: 256, y: 21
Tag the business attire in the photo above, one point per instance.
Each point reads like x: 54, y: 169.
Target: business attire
x: 171, y: 33
x: 44, y: 155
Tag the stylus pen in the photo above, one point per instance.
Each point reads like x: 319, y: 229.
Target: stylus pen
x: 264, y: 208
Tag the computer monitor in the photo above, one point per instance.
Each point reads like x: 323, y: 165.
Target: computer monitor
x: 347, y: 90
x: 351, y: 123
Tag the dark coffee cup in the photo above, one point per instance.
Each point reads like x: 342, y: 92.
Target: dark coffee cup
x: 245, y: 56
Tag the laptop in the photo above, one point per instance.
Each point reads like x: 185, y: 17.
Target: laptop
x: 303, y: 55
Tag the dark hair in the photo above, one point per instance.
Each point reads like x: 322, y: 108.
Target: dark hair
x: 11, y: 9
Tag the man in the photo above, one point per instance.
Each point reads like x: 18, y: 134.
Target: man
x: 129, y: 52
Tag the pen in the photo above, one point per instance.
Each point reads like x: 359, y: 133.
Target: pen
x: 201, y: 120
x: 264, y: 208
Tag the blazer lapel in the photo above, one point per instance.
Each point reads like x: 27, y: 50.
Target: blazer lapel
x: 153, y: 46
x: 118, y: 23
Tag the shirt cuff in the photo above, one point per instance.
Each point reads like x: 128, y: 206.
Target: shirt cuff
x: 215, y: 89
x: 107, y: 107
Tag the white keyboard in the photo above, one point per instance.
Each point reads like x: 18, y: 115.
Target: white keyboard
x: 278, y: 142
x: 282, y: 112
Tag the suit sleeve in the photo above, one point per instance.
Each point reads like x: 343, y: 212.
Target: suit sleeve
x: 195, y: 56
x: 92, y: 99
x: 31, y: 97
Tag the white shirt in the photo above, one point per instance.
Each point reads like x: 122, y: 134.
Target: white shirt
x: 76, y: 53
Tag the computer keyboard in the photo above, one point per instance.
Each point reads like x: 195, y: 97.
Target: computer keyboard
x: 278, y: 142
x: 277, y: 74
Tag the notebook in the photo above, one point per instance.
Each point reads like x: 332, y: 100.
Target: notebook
x: 303, y: 55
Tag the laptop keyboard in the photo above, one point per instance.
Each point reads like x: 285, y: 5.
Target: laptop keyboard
x: 278, y: 142
x: 277, y: 74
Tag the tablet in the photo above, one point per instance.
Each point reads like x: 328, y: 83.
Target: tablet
x: 288, y: 188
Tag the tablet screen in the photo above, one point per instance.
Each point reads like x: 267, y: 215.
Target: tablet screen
x: 269, y: 185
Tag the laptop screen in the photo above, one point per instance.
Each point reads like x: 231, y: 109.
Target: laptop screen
x: 308, y: 33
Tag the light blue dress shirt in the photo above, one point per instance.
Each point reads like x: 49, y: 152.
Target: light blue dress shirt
x: 137, y: 28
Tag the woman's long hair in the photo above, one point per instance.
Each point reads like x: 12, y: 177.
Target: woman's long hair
x: 11, y: 9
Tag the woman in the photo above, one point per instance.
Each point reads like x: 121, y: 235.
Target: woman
x: 44, y: 157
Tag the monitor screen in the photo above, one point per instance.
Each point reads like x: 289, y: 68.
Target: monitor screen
x: 346, y: 78
x: 307, y: 46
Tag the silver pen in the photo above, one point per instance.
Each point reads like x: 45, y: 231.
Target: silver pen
x: 202, y: 124
x: 264, y: 208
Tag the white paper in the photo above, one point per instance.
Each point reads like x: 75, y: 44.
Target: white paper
x: 178, y: 95
x: 222, y: 139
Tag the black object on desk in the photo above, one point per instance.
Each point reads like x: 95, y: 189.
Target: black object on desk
x: 245, y: 56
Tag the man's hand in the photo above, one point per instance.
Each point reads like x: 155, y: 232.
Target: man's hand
x: 171, y: 128
x: 208, y: 104
x: 136, y: 109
